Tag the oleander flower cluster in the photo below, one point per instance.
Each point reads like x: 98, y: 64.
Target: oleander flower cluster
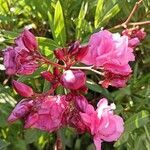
x: 108, y: 54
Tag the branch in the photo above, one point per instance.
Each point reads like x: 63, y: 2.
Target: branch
x: 139, y: 23
x: 43, y: 59
x: 88, y: 68
x: 137, y: 4
x: 124, y: 24
x: 131, y: 24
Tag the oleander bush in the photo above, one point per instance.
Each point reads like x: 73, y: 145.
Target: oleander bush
x: 67, y: 69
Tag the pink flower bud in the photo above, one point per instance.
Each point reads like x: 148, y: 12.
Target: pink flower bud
x: 74, y: 48
x: 56, y: 72
x: 22, y: 89
x: 59, y: 53
x: 141, y: 34
x: 29, y: 40
x: 134, y: 42
x: 73, y: 79
x: 81, y: 103
x: 81, y: 53
x: 21, y: 109
x: 47, y: 75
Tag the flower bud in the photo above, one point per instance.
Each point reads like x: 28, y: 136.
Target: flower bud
x: 73, y: 79
x: 29, y: 40
x: 21, y: 109
x: 141, y: 34
x: 59, y: 53
x: 81, y: 103
x: 47, y: 75
x: 133, y: 43
x: 56, y: 71
x: 74, y: 47
x: 81, y: 53
x: 22, y: 89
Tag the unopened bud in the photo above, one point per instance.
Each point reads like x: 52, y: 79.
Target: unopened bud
x: 21, y: 109
x: 56, y: 72
x: 81, y: 103
x: 22, y: 89
x: 73, y: 79
x: 47, y: 75
x: 81, y: 53
x: 29, y: 40
x: 59, y: 53
x: 73, y: 49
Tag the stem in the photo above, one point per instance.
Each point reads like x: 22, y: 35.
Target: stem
x: 124, y: 24
x: 59, y: 145
x: 88, y: 68
x: 131, y: 24
x: 137, y: 4
x: 139, y: 23
x: 47, y: 61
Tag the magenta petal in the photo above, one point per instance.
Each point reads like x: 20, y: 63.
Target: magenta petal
x: 9, y: 61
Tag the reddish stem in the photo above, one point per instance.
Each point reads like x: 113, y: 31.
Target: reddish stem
x: 137, y: 4
x: 45, y: 60
x: 124, y: 24
x: 40, y: 57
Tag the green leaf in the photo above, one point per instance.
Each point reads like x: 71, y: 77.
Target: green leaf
x: 110, y: 14
x: 134, y: 122
x: 138, y: 120
x: 98, y: 13
x: 47, y: 45
x: 31, y: 135
x: 3, y: 145
x: 81, y: 17
x: 20, y: 145
x: 97, y: 88
x: 59, y: 25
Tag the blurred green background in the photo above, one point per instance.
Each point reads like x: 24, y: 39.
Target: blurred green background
x: 56, y: 23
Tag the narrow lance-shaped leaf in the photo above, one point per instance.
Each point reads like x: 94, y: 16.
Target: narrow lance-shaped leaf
x: 97, y: 88
x: 59, y: 25
x: 110, y: 14
x: 136, y: 121
x: 80, y: 19
x: 98, y: 13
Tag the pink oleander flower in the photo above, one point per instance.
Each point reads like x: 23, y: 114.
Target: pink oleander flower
x: 73, y: 79
x: 48, y: 113
x: 20, y: 59
x: 22, y: 89
x: 106, y: 49
x: 110, y: 52
x: 21, y: 110
x: 103, y: 124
